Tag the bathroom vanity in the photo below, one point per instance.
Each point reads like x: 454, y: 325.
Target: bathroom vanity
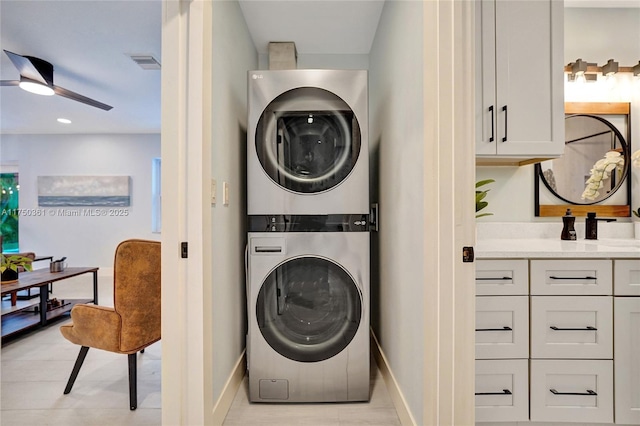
x: 557, y: 327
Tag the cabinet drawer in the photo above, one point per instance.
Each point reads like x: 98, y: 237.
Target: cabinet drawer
x: 572, y: 327
x: 502, y: 390
x: 626, y: 365
x: 626, y: 277
x: 502, y: 277
x: 502, y: 327
x: 572, y: 391
x: 571, y: 277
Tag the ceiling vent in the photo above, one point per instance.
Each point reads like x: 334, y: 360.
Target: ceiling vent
x: 146, y: 62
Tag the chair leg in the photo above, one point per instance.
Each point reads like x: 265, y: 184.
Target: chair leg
x: 76, y: 368
x: 133, y: 385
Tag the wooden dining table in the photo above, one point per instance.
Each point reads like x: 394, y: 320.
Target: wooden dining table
x: 13, y: 318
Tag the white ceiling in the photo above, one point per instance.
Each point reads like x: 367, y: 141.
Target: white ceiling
x: 88, y: 41
x: 316, y: 26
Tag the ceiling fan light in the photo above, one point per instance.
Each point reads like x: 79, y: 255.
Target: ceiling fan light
x: 34, y: 87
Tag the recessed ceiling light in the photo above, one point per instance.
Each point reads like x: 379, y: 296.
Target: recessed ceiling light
x: 64, y: 121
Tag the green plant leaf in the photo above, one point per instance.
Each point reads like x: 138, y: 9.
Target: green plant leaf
x: 484, y: 182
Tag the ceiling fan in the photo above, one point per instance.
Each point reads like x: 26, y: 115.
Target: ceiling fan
x: 36, y: 76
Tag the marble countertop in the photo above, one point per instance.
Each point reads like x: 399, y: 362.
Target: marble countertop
x: 549, y: 248
x: 542, y: 240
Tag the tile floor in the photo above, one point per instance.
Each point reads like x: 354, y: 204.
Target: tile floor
x: 379, y: 411
x: 34, y: 370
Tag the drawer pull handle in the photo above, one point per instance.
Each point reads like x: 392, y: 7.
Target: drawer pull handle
x: 589, y: 392
x: 505, y: 328
x: 493, y: 279
x: 572, y: 278
x: 492, y: 129
x: 504, y: 392
x: 587, y: 328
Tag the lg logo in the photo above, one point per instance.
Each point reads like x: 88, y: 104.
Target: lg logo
x: 256, y: 76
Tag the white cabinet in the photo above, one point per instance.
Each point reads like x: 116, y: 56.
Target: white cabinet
x: 502, y: 390
x: 502, y: 327
x: 572, y: 327
x: 572, y: 391
x: 502, y: 340
x: 627, y: 342
x: 627, y: 277
x: 520, y: 79
x: 502, y: 277
x: 571, y: 277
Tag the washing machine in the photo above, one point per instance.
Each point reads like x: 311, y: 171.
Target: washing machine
x: 307, y: 142
x: 308, y: 313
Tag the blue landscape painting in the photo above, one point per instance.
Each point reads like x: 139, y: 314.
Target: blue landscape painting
x: 104, y: 191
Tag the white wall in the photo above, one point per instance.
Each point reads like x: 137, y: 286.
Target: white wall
x: 85, y: 240
x: 233, y: 55
x: 309, y: 61
x: 396, y: 129
x: 594, y: 35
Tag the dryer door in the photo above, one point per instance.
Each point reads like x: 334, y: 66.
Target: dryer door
x: 308, y: 140
x: 309, y: 309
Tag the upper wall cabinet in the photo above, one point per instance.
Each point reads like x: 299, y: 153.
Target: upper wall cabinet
x: 520, y: 81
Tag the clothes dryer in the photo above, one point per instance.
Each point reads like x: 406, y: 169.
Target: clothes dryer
x: 307, y: 142
x: 308, y: 306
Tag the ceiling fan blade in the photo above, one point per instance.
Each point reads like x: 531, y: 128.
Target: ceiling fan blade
x: 77, y: 97
x: 9, y: 82
x: 32, y: 68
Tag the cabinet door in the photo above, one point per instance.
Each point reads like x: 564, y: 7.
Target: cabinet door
x: 626, y: 277
x: 525, y: 116
x: 571, y: 277
x: 502, y: 390
x: 627, y: 367
x: 502, y: 277
x: 572, y: 391
x: 486, y: 138
x: 502, y: 327
x: 572, y: 327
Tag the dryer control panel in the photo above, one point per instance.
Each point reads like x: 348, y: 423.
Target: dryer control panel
x: 309, y: 223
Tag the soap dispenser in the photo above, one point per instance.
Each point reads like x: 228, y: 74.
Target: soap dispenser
x: 591, y: 227
x: 568, y: 231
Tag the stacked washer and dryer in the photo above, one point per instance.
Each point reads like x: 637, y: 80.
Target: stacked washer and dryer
x: 308, y: 240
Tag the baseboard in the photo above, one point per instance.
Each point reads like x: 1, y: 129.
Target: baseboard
x: 404, y: 414
x: 229, y: 390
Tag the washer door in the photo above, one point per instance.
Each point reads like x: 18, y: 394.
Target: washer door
x: 308, y: 140
x: 308, y: 309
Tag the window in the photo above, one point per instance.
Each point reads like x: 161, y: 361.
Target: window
x: 9, y: 211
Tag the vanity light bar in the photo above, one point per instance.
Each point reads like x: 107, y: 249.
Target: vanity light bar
x: 591, y: 68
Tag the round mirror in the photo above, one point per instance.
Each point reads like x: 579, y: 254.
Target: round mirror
x: 592, y: 144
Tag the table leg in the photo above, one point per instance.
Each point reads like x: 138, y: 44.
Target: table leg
x: 95, y: 287
x: 43, y: 303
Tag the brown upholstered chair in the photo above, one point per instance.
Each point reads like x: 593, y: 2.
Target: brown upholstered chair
x: 134, y: 321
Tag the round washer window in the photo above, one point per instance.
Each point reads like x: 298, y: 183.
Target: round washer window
x: 308, y: 140
x: 308, y: 309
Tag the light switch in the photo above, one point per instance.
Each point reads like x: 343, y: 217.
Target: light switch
x: 213, y: 191
x: 225, y: 193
